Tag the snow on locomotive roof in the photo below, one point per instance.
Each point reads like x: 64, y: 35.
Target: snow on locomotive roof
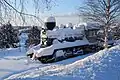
x: 61, y: 26
x: 50, y: 19
x: 89, y: 25
x: 69, y: 25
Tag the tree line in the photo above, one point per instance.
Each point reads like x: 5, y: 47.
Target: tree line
x: 9, y: 37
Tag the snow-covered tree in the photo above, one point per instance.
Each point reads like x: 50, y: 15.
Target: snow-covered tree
x: 9, y: 36
x: 33, y: 36
x: 106, y: 12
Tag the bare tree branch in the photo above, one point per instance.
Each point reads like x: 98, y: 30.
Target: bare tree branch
x: 24, y: 13
x: 105, y: 12
x: 16, y: 11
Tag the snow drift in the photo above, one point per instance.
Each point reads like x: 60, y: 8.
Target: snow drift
x: 103, y: 65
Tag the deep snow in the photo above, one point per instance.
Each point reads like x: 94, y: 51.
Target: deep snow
x: 14, y: 61
x: 103, y: 65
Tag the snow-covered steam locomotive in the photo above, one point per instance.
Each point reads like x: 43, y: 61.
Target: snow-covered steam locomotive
x: 60, y: 42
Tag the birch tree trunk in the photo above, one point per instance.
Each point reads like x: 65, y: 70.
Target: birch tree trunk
x: 106, y: 37
x: 107, y: 23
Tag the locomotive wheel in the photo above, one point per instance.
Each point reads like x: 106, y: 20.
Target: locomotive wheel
x: 68, y: 54
x: 47, y: 59
x: 43, y: 60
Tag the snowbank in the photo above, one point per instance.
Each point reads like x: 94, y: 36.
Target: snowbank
x: 103, y: 65
x: 12, y: 52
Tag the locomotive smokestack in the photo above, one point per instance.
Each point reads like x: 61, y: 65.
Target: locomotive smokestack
x: 50, y: 23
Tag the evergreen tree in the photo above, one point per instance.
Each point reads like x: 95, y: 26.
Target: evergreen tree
x: 9, y: 36
x: 33, y: 36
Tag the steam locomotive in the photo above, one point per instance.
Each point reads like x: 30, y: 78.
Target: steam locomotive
x: 65, y: 41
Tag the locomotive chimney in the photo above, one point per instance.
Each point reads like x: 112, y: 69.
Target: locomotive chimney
x: 50, y: 23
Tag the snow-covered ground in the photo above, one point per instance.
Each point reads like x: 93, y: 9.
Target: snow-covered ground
x: 103, y: 65
x: 14, y: 61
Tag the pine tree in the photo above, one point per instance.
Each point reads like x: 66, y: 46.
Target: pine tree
x: 33, y: 36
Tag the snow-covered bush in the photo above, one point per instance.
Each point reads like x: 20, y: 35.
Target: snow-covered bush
x: 8, y: 36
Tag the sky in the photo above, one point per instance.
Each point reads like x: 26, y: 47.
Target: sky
x: 65, y: 7
x: 60, y: 8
